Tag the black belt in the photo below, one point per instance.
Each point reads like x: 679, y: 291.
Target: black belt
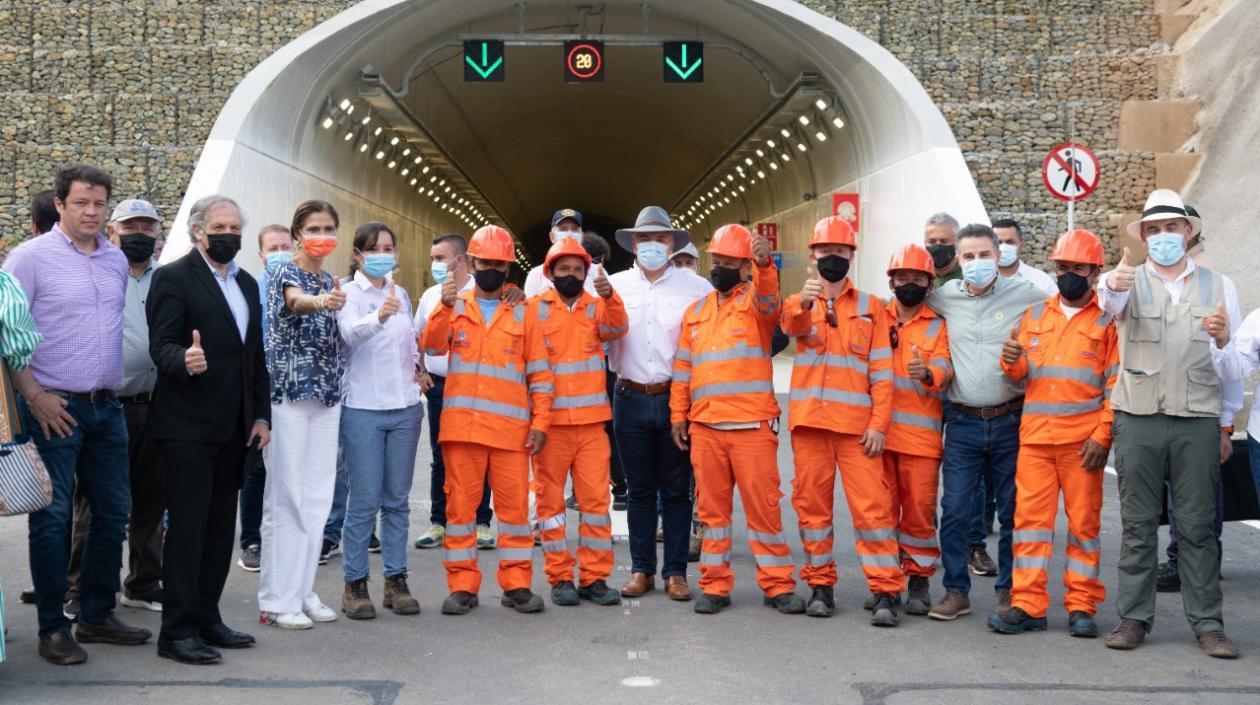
x: 653, y: 389
x: 991, y: 412
x: 141, y: 398
x: 99, y: 396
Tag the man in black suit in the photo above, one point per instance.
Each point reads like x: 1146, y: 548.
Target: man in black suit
x: 210, y: 410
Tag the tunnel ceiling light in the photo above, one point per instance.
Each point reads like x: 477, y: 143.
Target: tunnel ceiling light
x: 786, y: 134
x: 349, y: 136
x: 393, y: 162
x: 393, y: 142
x: 774, y: 166
x: 801, y: 146
x: 377, y: 132
x: 742, y: 189
x: 404, y: 172
x: 837, y: 122
x: 367, y: 119
x: 820, y: 104
x: 363, y: 147
x: 430, y: 192
x: 406, y: 152
x: 761, y: 174
x: 328, y: 122
x: 424, y: 170
x: 346, y: 105
x: 380, y: 154
x: 417, y: 160
x: 786, y: 157
x: 748, y: 161
x: 804, y: 120
x: 820, y: 136
x: 771, y: 144
x: 413, y: 181
x: 761, y: 154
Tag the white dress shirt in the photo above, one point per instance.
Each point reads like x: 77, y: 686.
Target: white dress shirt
x: 1039, y: 278
x: 1247, y: 342
x: 536, y: 282
x: 645, y: 354
x: 1225, y: 360
x: 232, y: 292
x: 431, y: 298
x: 382, y: 357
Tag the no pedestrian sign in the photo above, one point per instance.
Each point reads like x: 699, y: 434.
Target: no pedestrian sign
x: 1070, y: 171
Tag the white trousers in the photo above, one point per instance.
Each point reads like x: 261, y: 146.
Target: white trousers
x: 297, y: 497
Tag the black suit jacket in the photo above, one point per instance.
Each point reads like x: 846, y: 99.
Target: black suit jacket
x: 235, y: 388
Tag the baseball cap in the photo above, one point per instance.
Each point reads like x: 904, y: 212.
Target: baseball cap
x: 134, y: 208
x: 566, y: 213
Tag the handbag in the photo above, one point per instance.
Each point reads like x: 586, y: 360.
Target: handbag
x: 25, y: 486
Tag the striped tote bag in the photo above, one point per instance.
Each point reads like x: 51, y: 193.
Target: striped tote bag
x: 24, y: 483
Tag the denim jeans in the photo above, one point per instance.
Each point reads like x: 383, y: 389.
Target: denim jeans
x: 657, y: 475
x: 252, y: 503
x: 337, y: 515
x: 985, y: 511
x: 437, y: 474
x: 379, y: 448
x: 1217, y: 527
x: 1253, y: 454
x: 95, y: 452
x: 974, y: 448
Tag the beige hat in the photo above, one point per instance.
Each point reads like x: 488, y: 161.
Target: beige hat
x: 1163, y: 204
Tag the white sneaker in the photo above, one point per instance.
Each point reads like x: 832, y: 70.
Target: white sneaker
x: 321, y: 613
x: 153, y: 604
x: 287, y: 620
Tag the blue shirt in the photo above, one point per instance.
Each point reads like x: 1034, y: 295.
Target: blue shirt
x: 488, y: 307
x: 232, y: 292
x: 264, y: 280
x: 304, y: 353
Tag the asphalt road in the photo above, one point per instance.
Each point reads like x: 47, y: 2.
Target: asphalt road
x: 654, y: 649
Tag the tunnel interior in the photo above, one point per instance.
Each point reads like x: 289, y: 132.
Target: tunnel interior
x: 374, y: 111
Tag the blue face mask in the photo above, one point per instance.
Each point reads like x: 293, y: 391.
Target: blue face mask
x: 438, y: 269
x: 979, y: 272
x: 275, y: 259
x: 1009, y: 254
x: 1166, y: 249
x: 652, y: 255
x: 379, y: 264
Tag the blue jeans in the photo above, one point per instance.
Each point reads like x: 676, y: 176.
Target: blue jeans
x: 96, y: 452
x: 252, y: 503
x: 986, y: 509
x: 974, y: 448
x: 337, y: 515
x: 437, y: 474
x: 657, y: 475
x: 1253, y: 454
x: 379, y: 448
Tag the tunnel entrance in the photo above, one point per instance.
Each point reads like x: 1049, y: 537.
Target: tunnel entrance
x: 438, y: 116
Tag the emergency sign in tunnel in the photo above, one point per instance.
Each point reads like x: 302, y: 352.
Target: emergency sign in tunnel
x: 438, y: 116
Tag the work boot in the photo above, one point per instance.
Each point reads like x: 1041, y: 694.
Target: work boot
x: 1015, y: 621
x: 693, y: 547
x: 398, y: 597
x: 1127, y: 635
x: 787, y: 603
x: 599, y: 593
x: 432, y: 538
x: 711, y: 604
x: 1081, y: 624
x: 885, y: 612
x: 1217, y: 645
x: 564, y: 594
x: 459, y: 603
x: 356, y: 602
x: 1167, y: 579
x: 871, y: 598
x: 60, y: 649
x: 523, y: 601
x: 951, y: 607
x: 1002, y: 601
x: 918, y: 596
x: 822, y: 602
x: 980, y: 562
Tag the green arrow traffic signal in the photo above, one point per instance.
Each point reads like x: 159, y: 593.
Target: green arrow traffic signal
x: 483, y: 60
x: 684, y: 62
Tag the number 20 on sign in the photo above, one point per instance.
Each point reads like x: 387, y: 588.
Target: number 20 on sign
x: 583, y: 61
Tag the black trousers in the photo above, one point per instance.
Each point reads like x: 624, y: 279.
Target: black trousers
x: 202, y: 480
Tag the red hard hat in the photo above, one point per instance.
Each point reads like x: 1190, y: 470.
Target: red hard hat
x: 492, y: 243
x: 1080, y: 246
x: 914, y: 257
x: 566, y: 247
x: 833, y: 231
x: 731, y: 241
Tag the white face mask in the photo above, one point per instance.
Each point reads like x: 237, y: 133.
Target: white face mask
x: 562, y: 234
x: 652, y: 255
x: 1008, y: 254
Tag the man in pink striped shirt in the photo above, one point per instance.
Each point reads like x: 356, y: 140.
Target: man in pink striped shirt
x: 77, y: 282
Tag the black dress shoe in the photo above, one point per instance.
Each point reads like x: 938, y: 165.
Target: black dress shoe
x: 191, y: 650
x: 111, y: 631
x: 220, y: 636
x: 61, y: 649
x: 27, y: 597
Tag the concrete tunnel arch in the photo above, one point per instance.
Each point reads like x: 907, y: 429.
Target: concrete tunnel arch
x: 533, y: 143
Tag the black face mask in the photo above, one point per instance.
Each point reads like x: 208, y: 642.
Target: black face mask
x: 223, y: 248
x: 568, y: 285
x: 833, y: 268
x: 724, y: 278
x: 942, y: 255
x: 489, y: 280
x: 137, y: 248
x: 910, y: 295
x: 1072, y: 286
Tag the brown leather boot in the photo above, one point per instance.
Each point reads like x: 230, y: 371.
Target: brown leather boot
x: 398, y: 596
x: 356, y: 602
x: 1127, y: 634
x: 638, y: 585
x: 676, y: 588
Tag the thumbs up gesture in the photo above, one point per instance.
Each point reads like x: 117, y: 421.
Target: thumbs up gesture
x: 391, y: 304
x: 1012, y: 351
x: 761, y: 250
x: 917, y: 367
x: 194, y: 356
x: 1121, y: 278
x: 602, y: 285
x: 1217, y: 326
x: 450, y: 292
x: 812, y: 289
x: 335, y: 300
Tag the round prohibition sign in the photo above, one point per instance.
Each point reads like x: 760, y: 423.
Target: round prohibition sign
x: 1070, y: 172
x: 584, y: 61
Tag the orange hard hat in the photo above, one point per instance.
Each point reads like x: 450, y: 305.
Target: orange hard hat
x: 1080, y: 246
x: 731, y: 241
x: 566, y: 247
x: 493, y: 243
x: 833, y: 231
x: 912, y: 256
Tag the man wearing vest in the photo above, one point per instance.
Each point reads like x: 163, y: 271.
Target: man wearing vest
x: 496, y: 410
x: 1176, y: 353
x: 722, y: 408
x: 912, y: 449
x: 1066, y: 350
x: 839, y: 411
x: 574, y: 327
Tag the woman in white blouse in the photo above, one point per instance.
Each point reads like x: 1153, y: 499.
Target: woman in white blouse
x: 380, y: 421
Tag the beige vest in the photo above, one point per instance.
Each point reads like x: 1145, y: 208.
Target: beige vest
x: 1165, y: 352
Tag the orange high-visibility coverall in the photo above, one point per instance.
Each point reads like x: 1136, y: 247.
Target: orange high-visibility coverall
x: 912, y: 450
x: 574, y: 339
x: 842, y: 384
x: 487, y: 412
x: 724, y: 385
x: 1070, y: 366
